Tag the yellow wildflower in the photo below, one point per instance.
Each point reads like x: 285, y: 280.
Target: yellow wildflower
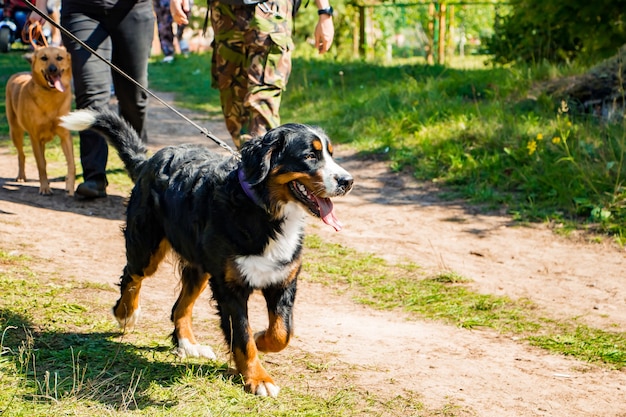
x: 539, y: 136
x: 532, y: 147
x: 556, y: 140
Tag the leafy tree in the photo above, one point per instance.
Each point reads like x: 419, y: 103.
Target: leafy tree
x: 558, y: 31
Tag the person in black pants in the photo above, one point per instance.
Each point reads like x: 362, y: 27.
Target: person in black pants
x: 121, y: 31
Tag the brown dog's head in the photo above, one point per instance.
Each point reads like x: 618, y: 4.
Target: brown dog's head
x: 52, y: 66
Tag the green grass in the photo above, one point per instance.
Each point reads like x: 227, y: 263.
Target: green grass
x: 10, y: 63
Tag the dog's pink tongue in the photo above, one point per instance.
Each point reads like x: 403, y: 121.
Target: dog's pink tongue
x: 327, y: 214
x: 59, y: 85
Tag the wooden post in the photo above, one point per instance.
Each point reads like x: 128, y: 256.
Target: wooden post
x: 442, y: 34
x: 357, y: 33
x: 431, y: 34
x: 367, y: 25
x: 451, y: 32
x: 362, y: 30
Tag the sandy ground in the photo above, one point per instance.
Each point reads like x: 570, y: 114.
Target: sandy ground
x: 399, y: 219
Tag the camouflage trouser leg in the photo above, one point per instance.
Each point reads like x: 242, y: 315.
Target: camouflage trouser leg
x: 164, y: 26
x: 251, y: 64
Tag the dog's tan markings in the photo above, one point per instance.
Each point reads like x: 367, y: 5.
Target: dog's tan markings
x: 181, y: 316
x: 296, y: 265
x: 157, y: 257
x: 128, y: 303
x: 317, y: 144
x: 256, y: 378
x: 277, y: 335
x: 231, y: 274
x: 127, y: 308
x: 330, y: 148
x: 275, y: 338
x: 287, y: 177
x: 277, y: 189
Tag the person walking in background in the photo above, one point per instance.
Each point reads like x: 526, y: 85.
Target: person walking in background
x: 251, y: 60
x: 166, y: 32
x: 121, y: 31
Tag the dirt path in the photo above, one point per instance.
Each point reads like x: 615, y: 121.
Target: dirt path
x: 389, y: 214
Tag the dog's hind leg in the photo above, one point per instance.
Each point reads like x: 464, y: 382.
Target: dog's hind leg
x: 193, y: 283
x: 127, y: 309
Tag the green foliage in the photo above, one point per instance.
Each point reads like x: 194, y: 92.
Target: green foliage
x: 10, y: 63
x: 535, y: 30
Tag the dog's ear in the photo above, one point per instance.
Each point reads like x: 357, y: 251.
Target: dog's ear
x: 256, y: 154
x: 29, y: 57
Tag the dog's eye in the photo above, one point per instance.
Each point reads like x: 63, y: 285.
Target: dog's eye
x: 44, y: 58
x: 59, y: 58
x: 311, y: 155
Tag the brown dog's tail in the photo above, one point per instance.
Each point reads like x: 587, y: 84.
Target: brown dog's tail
x: 118, y: 133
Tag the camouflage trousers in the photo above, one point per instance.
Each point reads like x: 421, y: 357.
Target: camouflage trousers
x: 164, y: 26
x: 251, y: 64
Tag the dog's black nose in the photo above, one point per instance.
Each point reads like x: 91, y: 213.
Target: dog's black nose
x: 52, y: 69
x: 344, y: 183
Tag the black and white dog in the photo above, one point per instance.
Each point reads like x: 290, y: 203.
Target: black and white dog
x: 237, y: 225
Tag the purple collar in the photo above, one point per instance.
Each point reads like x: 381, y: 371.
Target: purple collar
x: 247, y: 188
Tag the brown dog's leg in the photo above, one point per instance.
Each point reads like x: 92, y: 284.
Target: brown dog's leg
x: 68, y: 151
x: 17, y: 136
x: 38, y: 151
x: 193, y: 284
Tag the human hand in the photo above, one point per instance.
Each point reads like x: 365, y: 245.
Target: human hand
x: 34, y: 17
x: 324, y: 33
x: 179, y: 10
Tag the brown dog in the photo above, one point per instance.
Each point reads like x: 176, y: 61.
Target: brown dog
x: 35, y: 100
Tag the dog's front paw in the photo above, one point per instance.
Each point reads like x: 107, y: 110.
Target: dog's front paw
x: 186, y: 348
x: 271, y: 341
x: 45, y: 191
x: 262, y: 388
x: 128, y: 323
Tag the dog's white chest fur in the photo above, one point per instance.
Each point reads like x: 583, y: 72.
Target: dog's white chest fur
x: 273, y: 265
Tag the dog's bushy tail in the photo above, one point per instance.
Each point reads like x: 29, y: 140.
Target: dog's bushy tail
x: 118, y: 133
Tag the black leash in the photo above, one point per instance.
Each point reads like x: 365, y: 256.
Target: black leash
x: 202, y: 130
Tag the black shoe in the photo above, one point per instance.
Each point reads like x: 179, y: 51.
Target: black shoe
x: 92, y: 189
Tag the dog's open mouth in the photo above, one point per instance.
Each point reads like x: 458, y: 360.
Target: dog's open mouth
x: 54, y: 80
x: 318, y: 206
